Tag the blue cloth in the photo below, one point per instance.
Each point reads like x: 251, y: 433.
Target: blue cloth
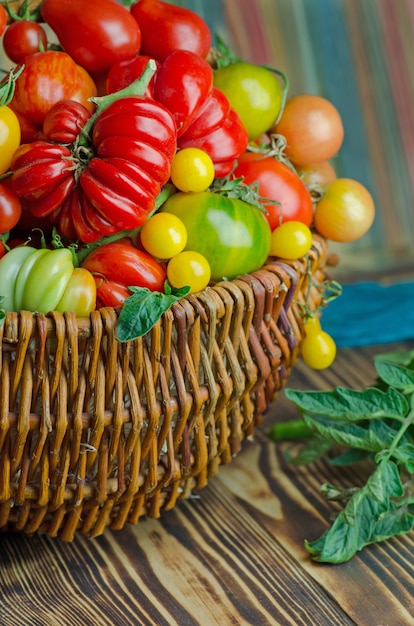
x: 369, y: 313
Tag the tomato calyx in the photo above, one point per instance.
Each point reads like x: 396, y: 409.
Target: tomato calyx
x: 24, y: 12
x: 274, y: 147
x: 236, y: 188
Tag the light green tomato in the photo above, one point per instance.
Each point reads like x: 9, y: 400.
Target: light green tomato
x: 255, y: 93
x: 10, y: 265
x: 47, y: 280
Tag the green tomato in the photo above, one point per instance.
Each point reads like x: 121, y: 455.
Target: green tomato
x: 47, y: 280
x: 34, y: 280
x: 231, y: 234
x: 254, y: 92
x: 10, y: 265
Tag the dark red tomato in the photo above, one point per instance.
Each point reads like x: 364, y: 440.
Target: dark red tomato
x: 119, y: 265
x: 22, y: 38
x: 96, y: 33
x: 166, y: 27
x: 3, y: 249
x: 277, y: 182
x: 10, y: 209
x: 3, y: 19
x: 125, y: 72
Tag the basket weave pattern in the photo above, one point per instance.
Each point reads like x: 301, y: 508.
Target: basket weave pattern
x: 97, y: 433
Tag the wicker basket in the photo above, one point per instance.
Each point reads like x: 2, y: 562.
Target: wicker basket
x: 97, y: 433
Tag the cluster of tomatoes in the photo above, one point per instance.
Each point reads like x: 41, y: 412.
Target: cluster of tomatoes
x: 146, y: 157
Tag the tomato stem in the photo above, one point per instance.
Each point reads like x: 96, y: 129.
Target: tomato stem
x: 136, y: 88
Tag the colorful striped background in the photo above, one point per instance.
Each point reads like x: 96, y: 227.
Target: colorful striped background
x: 360, y: 55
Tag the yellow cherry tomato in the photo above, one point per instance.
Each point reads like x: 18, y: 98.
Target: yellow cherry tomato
x: 318, y: 348
x: 291, y: 240
x: 163, y: 235
x: 189, y: 269
x: 10, y: 135
x: 192, y: 170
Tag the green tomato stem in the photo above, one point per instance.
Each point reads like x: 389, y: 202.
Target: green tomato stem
x: 285, y: 88
x: 136, y: 88
x: 291, y: 430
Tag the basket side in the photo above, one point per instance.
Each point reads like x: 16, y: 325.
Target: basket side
x: 97, y: 433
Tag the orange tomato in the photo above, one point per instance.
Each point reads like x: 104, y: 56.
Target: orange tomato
x: 312, y: 127
x: 345, y: 212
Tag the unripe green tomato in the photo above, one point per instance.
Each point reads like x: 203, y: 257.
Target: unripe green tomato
x: 255, y: 93
x: 233, y: 235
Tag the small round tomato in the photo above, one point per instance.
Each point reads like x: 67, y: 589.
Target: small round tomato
x: 318, y: 348
x: 189, y: 269
x: 192, y: 169
x: 10, y: 136
x: 277, y: 182
x: 255, y: 93
x: 22, y: 38
x: 233, y: 235
x: 163, y: 235
x: 345, y: 212
x: 319, y: 174
x: 3, y: 19
x: 291, y: 240
x: 312, y: 127
x: 10, y: 209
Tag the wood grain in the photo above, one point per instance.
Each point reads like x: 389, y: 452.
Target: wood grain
x: 231, y: 555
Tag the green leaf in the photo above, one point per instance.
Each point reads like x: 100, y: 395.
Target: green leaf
x: 349, y: 457
x: 395, y: 375
x: 314, y: 449
x: 350, y: 405
x: 373, y: 436
x: 371, y: 515
x: 401, y: 357
x: 142, y: 310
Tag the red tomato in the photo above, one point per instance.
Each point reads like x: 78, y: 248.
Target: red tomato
x: 165, y: 27
x: 3, y: 19
x: 22, y: 38
x: 183, y: 82
x: 10, y: 209
x: 276, y: 181
x: 96, y: 34
x: 312, y: 127
x: 125, y: 72
x: 64, y: 121
x: 117, y: 266
x: 345, y: 212
x: 47, y: 78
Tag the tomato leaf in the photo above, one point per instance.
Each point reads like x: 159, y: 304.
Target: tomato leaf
x: 348, y: 404
x: 371, y: 515
x: 376, y: 423
x: 142, y: 310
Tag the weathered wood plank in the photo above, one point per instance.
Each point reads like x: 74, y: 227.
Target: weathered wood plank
x: 376, y: 586
x: 233, y: 556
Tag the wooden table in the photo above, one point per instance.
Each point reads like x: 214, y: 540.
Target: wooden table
x: 233, y: 555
